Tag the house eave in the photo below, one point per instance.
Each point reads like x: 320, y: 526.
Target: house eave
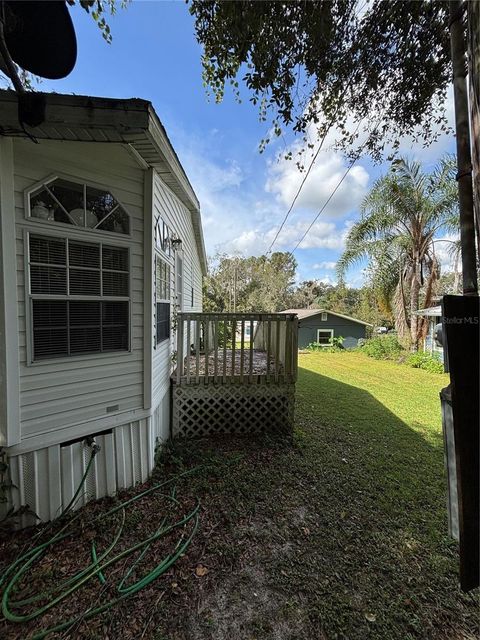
x: 311, y: 313
x: 108, y: 120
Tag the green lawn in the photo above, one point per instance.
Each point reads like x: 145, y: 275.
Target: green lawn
x: 340, y: 535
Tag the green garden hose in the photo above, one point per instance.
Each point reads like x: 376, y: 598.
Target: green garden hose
x: 99, y: 562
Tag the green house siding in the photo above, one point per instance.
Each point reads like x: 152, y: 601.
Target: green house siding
x: 351, y: 331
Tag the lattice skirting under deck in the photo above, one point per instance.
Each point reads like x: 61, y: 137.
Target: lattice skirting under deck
x: 201, y: 410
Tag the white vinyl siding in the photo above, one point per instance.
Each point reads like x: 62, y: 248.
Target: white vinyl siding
x: 56, y: 395
x: 178, y: 218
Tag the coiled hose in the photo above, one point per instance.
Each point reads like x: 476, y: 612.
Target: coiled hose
x: 99, y: 563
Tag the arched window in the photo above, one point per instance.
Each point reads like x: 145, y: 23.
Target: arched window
x: 78, y: 204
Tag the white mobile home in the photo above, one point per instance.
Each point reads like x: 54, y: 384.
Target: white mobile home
x: 101, y: 246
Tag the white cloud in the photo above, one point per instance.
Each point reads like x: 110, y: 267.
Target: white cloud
x: 443, y: 251
x: 284, y: 179
x: 323, y: 235
x: 444, y: 143
x: 324, y: 265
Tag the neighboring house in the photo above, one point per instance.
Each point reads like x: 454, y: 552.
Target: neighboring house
x: 320, y: 325
x: 430, y: 343
x: 249, y: 329
x: 101, y: 245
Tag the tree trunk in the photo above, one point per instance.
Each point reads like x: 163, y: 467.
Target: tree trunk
x: 414, y: 299
x: 473, y: 9
x: 464, y: 159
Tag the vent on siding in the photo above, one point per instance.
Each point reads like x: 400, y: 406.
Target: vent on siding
x: 91, y: 480
x: 28, y: 472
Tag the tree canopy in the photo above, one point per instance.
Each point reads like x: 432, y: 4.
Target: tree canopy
x: 267, y: 284
x: 375, y: 70
x: 253, y: 284
x: 401, y: 218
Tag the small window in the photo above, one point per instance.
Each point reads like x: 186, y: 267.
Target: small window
x: 163, y: 321
x: 68, y: 271
x: 162, y: 300
x: 78, y: 204
x: 192, y: 300
x: 324, y: 337
x: 324, y: 316
x: 179, y: 282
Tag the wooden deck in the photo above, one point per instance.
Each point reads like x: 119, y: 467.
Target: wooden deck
x: 235, y: 373
x: 212, y: 348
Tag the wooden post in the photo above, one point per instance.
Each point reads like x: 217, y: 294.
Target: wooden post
x: 215, y: 349
x: 225, y: 335
x: 277, y: 348
x: 269, y: 349
x: 179, y: 347
x: 251, y: 352
x: 464, y: 158
x: 234, y: 338
x: 189, y: 337
x: 206, y: 346
x: 288, y: 348
x: 242, y: 348
x: 197, y: 348
x: 295, y: 348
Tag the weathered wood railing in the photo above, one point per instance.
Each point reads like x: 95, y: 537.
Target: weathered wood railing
x: 242, y: 348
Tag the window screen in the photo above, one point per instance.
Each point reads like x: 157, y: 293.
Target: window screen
x: 162, y: 300
x: 324, y: 336
x: 73, y: 273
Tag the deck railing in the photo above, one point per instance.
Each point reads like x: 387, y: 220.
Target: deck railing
x: 242, y: 348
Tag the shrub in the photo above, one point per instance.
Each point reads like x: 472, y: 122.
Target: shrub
x: 336, y: 344
x: 426, y: 361
x: 382, y: 348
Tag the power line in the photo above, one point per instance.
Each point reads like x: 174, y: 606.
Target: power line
x: 299, y: 190
x: 324, y: 205
x: 349, y: 168
x: 330, y: 124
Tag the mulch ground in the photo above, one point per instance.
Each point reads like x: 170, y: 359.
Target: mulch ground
x: 337, y: 534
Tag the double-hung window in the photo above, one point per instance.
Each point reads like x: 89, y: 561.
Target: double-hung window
x: 79, y: 296
x: 179, y: 281
x: 162, y: 300
x: 324, y: 337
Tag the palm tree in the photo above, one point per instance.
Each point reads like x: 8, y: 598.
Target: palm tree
x: 401, y: 217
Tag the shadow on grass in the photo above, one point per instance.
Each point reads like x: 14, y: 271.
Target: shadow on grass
x: 341, y: 535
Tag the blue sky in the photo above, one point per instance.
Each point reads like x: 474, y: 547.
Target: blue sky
x: 244, y: 194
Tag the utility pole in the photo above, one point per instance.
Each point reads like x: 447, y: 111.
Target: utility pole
x: 464, y: 158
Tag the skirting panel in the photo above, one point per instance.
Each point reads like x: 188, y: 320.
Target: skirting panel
x: 44, y: 481
x: 200, y: 410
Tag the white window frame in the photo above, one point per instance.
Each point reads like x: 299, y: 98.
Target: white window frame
x: 167, y: 300
x: 324, y: 316
x: 179, y: 280
x: 330, y: 331
x: 87, y: 239
x: 63, y: 227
